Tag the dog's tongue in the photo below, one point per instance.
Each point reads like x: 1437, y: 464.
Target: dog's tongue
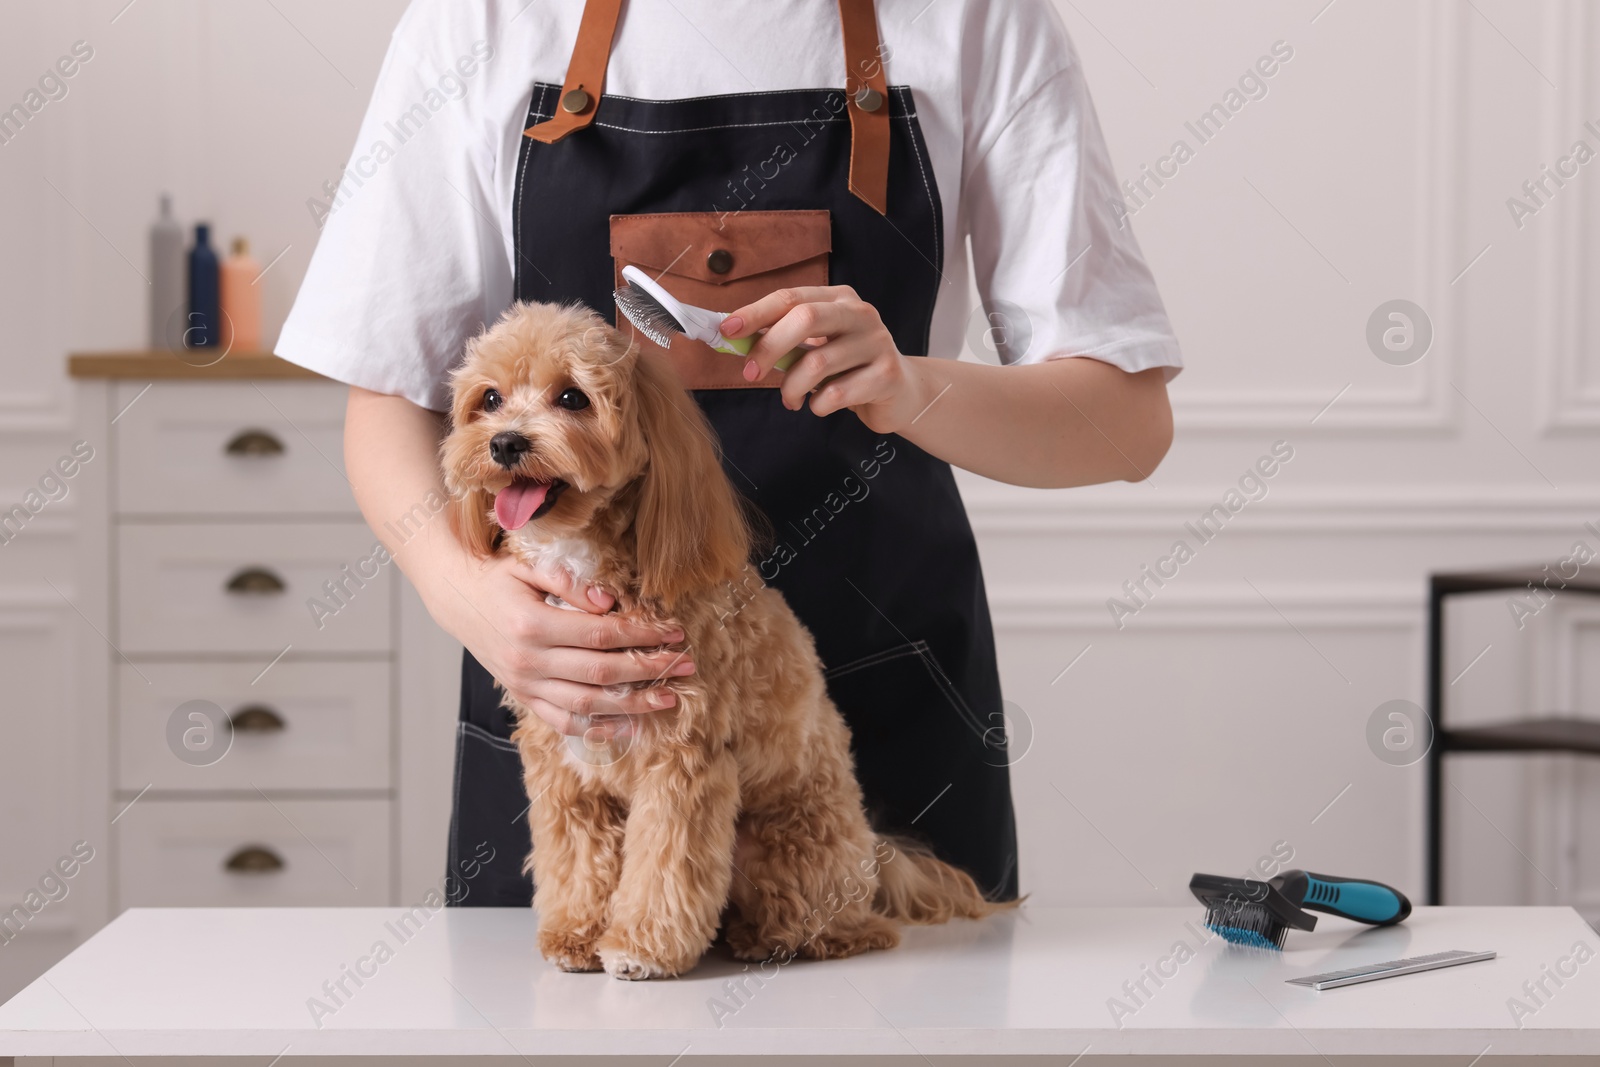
x: 515, y: 504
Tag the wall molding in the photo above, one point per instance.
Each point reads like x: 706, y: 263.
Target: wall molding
x: 28, y: 417
x: 42, y: 412
x: 1393, y: 510
x: 43, y: 527
x: 31, y: 608
x: 1569, y: 398
x: 39, y: 612
x: 1428, y: 404
x: 1212, y: 606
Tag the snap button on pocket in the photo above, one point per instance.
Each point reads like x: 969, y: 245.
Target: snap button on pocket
x: 575, y: 101
x: 720, y: 261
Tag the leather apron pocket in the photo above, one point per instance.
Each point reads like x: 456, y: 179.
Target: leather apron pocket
x: 721, y: 260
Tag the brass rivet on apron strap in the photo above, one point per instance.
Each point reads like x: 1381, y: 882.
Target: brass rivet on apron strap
x: 576, y: 101
x: 720, y: 261
x: 869, y: 99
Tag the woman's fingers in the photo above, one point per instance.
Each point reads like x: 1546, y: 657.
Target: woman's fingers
x: 835, y: 360
x: 593, y: 700
x: 775, y: 305
x: 792, y: 317
x: 859, y: 386
x: 614, y: 668
x: 560, y: 627
x: 543, y: 624
x: 577, y: 710
x: 809, y: 320
x: 565, y: 722
x: 559, y: 580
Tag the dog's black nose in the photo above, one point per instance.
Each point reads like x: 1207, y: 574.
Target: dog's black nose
x: 507, y: 448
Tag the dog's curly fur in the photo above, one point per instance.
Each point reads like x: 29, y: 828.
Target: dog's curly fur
x: 739, y: 804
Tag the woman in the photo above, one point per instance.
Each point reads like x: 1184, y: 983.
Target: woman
x: 818, y: 170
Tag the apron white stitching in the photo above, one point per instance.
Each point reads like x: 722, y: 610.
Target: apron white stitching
x: 522, y: 185
x: 727, y: 126
x: 484, y: 735
x: 916, y: 150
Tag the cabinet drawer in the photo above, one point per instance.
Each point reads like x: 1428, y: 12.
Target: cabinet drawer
x: 176, y: 853
x: 174, y: 595
x: 302, y: 726
x: 225, y: 448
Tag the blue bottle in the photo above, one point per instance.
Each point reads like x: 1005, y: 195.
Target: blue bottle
x: 203, y: 329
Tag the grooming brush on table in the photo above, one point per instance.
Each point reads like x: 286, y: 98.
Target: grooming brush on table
x: 1250, y: 912
x: 659, y: 315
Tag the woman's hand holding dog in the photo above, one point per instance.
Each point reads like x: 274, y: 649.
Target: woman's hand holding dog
x: 557, y: 662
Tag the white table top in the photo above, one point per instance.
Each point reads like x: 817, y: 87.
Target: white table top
x: 235, y: 982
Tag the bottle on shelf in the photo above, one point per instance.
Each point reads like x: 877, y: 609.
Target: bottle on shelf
x: 167, y: 298
x: 201, y: 327
x: 241, y: 300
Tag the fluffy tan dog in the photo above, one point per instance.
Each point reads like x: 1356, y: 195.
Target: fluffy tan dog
x: 741, y: 802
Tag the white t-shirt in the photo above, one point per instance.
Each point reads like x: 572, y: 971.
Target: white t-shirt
x: 416, y: 251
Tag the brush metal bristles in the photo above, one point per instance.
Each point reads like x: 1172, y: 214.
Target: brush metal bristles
x: 647, y: 315
x: 1246, y: 924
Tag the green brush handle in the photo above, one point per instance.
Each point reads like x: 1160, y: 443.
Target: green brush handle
x: 734, y: 346
x: 740, y: 346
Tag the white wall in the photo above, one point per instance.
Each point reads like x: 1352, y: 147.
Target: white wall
x: 1231, y: 711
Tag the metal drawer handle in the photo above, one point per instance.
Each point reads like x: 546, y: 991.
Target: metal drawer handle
x: 257, y: 719
x: 254, y: 443
x: 257, y: 581
x: 254, y: 859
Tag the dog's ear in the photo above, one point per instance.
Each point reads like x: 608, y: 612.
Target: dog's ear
x: 689, y: 532
x: 469, y: 518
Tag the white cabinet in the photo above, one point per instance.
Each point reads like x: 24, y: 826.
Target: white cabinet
x: 253, y: 853
x: 234, y: 448
x: 301, y: 726
x: 230, y: 592
x: 248, y: 589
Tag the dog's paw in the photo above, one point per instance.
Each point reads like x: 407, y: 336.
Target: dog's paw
x: 623, y: 964
x: 569, y: 951
x: 645, y: 952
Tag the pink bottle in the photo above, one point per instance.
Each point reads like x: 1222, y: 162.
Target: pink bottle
x: 241, y: 300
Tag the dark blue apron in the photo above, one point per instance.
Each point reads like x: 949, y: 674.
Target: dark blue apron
x: 868, y: 539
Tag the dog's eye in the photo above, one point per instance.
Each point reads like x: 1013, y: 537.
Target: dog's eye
x: 492, y: 400
x: 572, y: 400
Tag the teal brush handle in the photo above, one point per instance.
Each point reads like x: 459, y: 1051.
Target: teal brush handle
x: 1350, y: 898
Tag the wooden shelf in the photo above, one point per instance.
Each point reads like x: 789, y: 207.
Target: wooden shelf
x: 1527, y: 735
x: 185, y: 365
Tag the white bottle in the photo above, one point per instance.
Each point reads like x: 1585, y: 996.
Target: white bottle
x: 167, y: 286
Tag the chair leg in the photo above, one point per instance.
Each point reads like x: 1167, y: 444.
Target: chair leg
x: 1434, y: 887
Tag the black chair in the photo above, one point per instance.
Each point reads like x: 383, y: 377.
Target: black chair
x: 1547, y: 734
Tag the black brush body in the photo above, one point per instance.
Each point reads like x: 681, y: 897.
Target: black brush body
x: 1246, y: 911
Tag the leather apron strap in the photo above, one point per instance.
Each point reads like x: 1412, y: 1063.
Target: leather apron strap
x: 586, y: 73
x: 866, y: 88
